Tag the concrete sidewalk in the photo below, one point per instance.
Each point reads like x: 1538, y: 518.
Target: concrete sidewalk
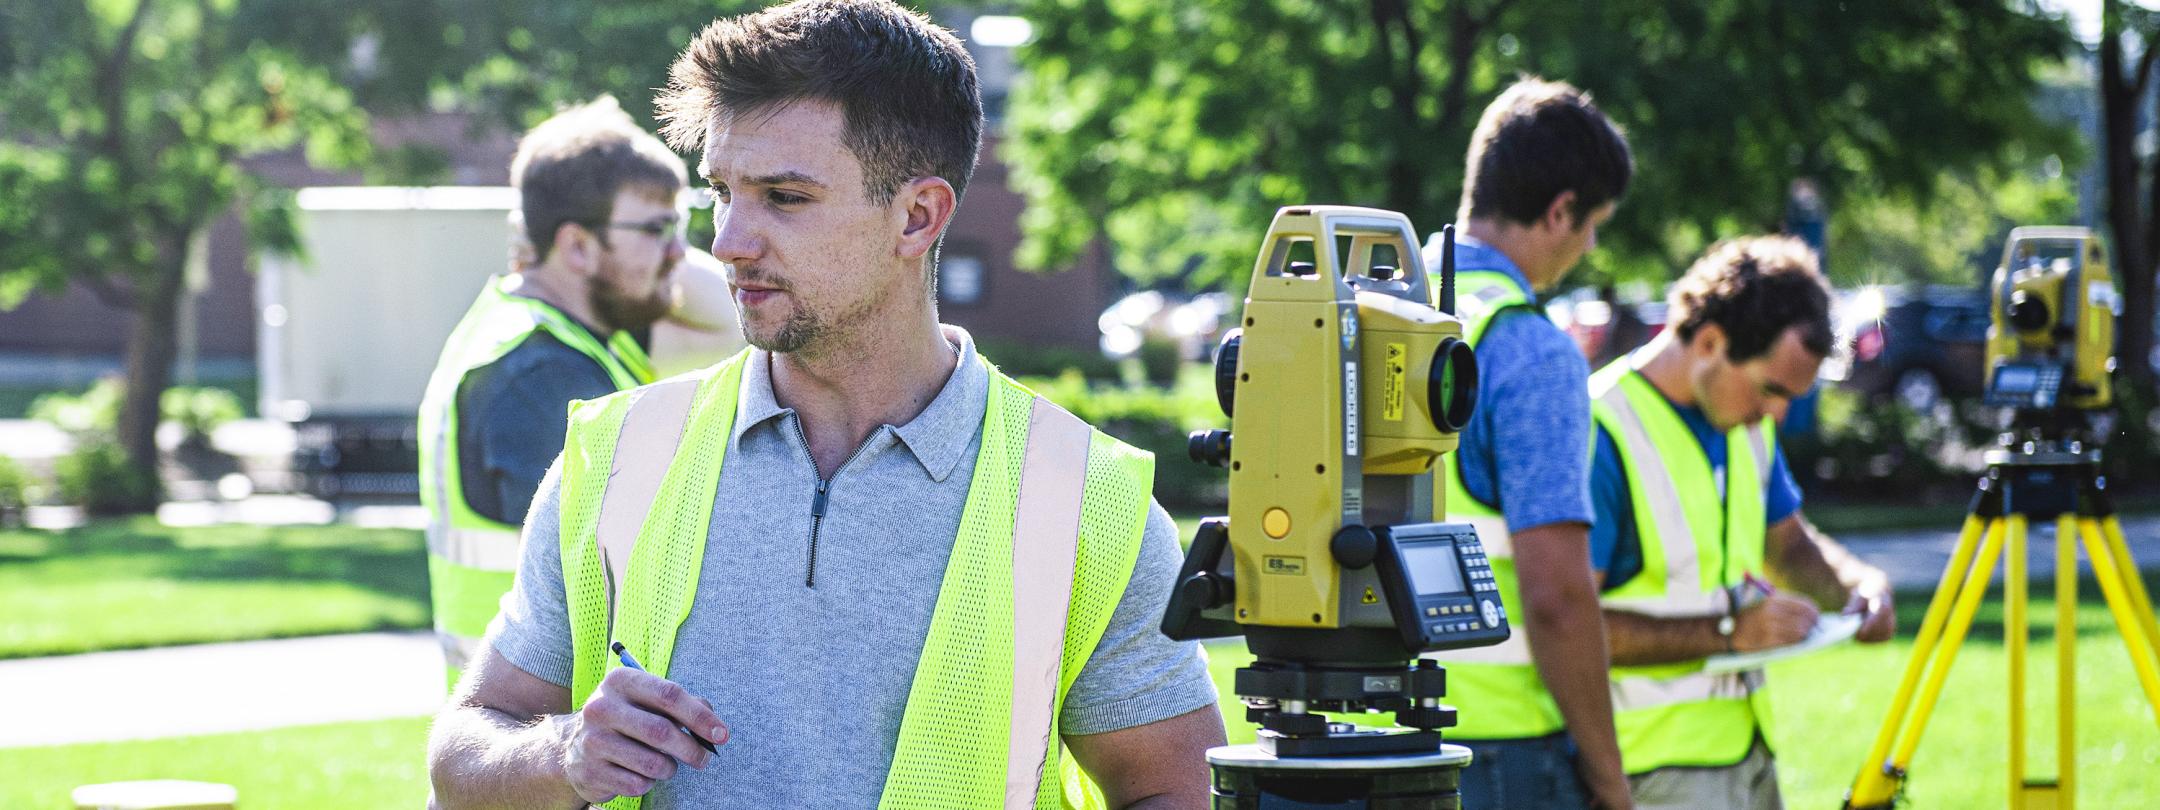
x: 1915, y: 559
x: 210, y: 688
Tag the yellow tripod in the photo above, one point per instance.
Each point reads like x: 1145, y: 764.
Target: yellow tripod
x: 2033, y: 480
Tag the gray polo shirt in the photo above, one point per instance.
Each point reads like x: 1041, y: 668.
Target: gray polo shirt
x: 811, y: 673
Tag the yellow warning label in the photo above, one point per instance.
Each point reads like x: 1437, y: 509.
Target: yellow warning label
x: 1391, y: 386
x: 1370, y: 597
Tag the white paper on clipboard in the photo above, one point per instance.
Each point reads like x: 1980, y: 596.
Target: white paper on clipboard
x: 1831, y: 628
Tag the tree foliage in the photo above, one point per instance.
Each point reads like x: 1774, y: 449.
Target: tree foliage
x: 1176, y: 130
x: 1953, y: 235
x: 514, y: 61
x: 127, y: 124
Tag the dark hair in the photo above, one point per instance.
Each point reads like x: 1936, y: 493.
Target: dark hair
x: 1754, y: 288
x: 1539, y: 139
x: 571, y: 166
x: 905, y: 87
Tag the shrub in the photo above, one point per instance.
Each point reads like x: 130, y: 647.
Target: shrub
x: 1862, y: 446
x: 1023, y: 360
x: 1152, y: 419
x: 1160, y: 361
x: 2130, y: 449
x: 94, y: 410
x: 199, y: 410
x: 98, y: 477
x: 1873, y: 450
x: 14, y: 489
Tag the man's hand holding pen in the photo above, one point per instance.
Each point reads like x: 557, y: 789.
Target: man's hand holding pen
x: 632, y: 732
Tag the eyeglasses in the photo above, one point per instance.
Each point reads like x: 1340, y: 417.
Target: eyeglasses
x: 657, y: 229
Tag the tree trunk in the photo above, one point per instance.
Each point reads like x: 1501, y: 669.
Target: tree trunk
x: 150, y: 352
x: 2134, y: 265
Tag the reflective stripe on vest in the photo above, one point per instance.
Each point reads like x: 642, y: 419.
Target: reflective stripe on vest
x: 1497, y: 686
x: 472, y: 559
x: 1694, y: 550
x: 1046, y: 544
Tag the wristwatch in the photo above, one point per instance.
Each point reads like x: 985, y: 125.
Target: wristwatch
x: 1726, y: 624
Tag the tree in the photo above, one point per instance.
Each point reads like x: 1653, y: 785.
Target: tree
x: 2133, y: 197
x: 126, y: 127
x: 1176, y: 130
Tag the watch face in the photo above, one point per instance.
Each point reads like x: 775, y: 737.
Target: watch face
x: 1725, y: 625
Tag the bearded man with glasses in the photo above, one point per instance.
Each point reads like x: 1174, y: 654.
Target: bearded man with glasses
x: 598, y: 268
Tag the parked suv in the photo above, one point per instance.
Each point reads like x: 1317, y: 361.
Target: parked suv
x: 1921, y: 347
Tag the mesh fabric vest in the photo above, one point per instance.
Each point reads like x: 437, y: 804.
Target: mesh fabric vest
x: 1695, y: 549
x: 1497, y: 687
x: 471, y: 558
x: 953, y: 742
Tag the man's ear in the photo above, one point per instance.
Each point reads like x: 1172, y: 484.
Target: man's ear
x: 926, y: 205
x: 1709, y: 342
x: 578, y: 247
x: 1560, y: 213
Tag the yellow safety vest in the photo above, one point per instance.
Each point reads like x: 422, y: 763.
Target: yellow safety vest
x: 471, y: 558
x: 1046, y: 544
x: 1497, y: 688
x: 1695, y: 549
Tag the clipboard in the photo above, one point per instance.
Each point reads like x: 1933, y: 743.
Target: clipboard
x: 1830, y: 628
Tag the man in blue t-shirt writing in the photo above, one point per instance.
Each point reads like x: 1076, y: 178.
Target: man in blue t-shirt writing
x: 1699, y: 543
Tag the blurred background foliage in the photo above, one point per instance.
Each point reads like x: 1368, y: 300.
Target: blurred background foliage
x: 1176, y: 130
x: 1170, y: 131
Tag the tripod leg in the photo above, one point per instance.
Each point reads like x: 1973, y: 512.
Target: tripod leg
x: 1948, y: 616
x: 2140, y: 601
x: 2015, y: 637
x: 2118, y: 600
x: 2066, y: 595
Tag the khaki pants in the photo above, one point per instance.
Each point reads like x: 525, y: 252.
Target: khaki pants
x: 1750, y: 784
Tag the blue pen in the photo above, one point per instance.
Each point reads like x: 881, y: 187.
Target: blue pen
x: 623, y: 654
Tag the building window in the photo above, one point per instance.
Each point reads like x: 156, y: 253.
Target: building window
x: 960, y: 279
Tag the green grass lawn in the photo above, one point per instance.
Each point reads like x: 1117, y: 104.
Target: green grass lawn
x: 135, y: 583
x: 1828, y: 708
x: 374, y: 764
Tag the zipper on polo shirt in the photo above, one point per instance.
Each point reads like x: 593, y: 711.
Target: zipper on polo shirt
x: 817, y: 521
x: 817, y: 502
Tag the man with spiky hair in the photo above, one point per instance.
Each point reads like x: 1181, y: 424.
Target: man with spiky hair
x: 859, y: 566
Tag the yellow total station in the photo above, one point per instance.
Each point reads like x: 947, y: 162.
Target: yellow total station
x: 1344, y: 384
x: 2052, y: 310
x: 1345, y: 381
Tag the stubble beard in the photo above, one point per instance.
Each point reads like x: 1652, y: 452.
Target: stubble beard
x: 801, y: 330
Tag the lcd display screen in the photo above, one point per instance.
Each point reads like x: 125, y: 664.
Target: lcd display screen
x: 1433, y: 569
x: 2016, y: 379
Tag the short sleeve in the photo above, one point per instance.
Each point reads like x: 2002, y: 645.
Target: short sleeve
x: 1781, y: 498
x: 1138, y: 675
x: 1615, y: 548
x: 1537, y: 421
x: 513, y: 413
x: 523, y: 430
